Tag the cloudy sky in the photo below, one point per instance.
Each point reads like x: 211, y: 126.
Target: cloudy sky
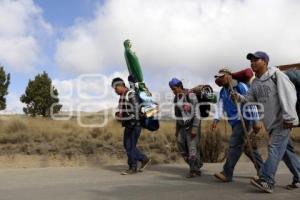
x: 80, y: 42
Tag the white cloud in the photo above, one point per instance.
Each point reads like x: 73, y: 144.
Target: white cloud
x: 21, y: 24
x: 13, y: 104
x: 88, y: 92
x: 189, y: 38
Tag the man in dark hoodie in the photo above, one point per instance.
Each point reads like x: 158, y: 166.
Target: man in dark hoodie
x: 128, y: 114
x: 187, y: 126
x: 277, y: 94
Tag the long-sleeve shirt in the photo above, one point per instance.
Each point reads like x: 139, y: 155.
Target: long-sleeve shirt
x: 278, y: 96
x: 294, y: 76
x: 226, y: 105
x: 128, y: 109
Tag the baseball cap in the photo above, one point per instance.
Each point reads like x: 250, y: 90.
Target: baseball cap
x: 223, y: 72
x: 259, y: 55
x: 174, y: 82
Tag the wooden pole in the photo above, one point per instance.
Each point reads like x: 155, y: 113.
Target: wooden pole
x: 246, y: 132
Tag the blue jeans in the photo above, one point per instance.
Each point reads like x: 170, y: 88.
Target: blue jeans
x: 280, y: 148
x: 236, y: 149
x: 131, y: 136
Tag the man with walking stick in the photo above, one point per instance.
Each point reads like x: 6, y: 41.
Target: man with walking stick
x: 241, y: 126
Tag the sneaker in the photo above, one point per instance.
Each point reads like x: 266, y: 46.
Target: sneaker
x: 145, y: 163
x: 222, y: 177
x: 255, y: 178
x: 193, y: 174
x: 262, y: 185
x: 129, y: 172
x: 294, y: 185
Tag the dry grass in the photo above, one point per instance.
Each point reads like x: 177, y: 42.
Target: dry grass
x: 296, y: 135
x: 20, y: 135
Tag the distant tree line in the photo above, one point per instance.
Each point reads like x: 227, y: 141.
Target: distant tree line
x: 40, y: 96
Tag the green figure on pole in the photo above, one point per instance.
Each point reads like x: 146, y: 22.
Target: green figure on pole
x: 132, y: 62
x: 137, y: 80
x: 134, y: 68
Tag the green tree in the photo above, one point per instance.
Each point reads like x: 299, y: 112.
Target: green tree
x: 4, y: 83
x: 40, y: 95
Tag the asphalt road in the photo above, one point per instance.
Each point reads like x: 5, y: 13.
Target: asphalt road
x: 158, y: 182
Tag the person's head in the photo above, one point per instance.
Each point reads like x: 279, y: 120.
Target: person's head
x: 176, y: 86
x: 127, y: 44
x: 119, y: 85
x: 224, y: 77
x: 259, y: 61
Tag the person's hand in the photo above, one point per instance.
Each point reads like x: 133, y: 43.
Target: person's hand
x: 118, y: 116
x: 287, y: 125
x: 213, y: 126
x: 234, y: 96
x: 256, y: 127
x: 193, y: 133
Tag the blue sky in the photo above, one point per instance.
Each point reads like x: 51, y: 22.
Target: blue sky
x: 60, y: 15
x: 189, y: 39
x: 63, y: 13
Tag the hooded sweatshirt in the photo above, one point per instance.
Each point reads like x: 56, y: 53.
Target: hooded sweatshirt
x: 294, y: 76
x: 278, y: 96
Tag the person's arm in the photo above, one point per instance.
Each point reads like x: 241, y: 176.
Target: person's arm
x: 249, y: 96
x: 134, y: 106
x: 196, y: 111
x: 219, y: 110
x: 249, y: 111
x: 196, y: 114
x: 177, y: 129
x: 287, y: 97
x: 118, y: 113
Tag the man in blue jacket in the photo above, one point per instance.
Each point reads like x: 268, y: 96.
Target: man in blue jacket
x: 225, y: 104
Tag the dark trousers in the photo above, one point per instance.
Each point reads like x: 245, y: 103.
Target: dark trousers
x: 130, y: 140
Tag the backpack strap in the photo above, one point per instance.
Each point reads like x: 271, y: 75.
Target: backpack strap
x: 186, y: 93
x: 177, y: 110
x: 129, y: 92
x: 274, y: 78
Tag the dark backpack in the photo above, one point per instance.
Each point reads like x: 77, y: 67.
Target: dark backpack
x: 204, y: 95
x: 149, y: 123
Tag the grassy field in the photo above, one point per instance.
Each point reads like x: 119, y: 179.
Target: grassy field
x: 22, y: 137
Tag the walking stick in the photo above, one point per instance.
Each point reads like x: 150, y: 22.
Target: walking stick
x: 248, y: 142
